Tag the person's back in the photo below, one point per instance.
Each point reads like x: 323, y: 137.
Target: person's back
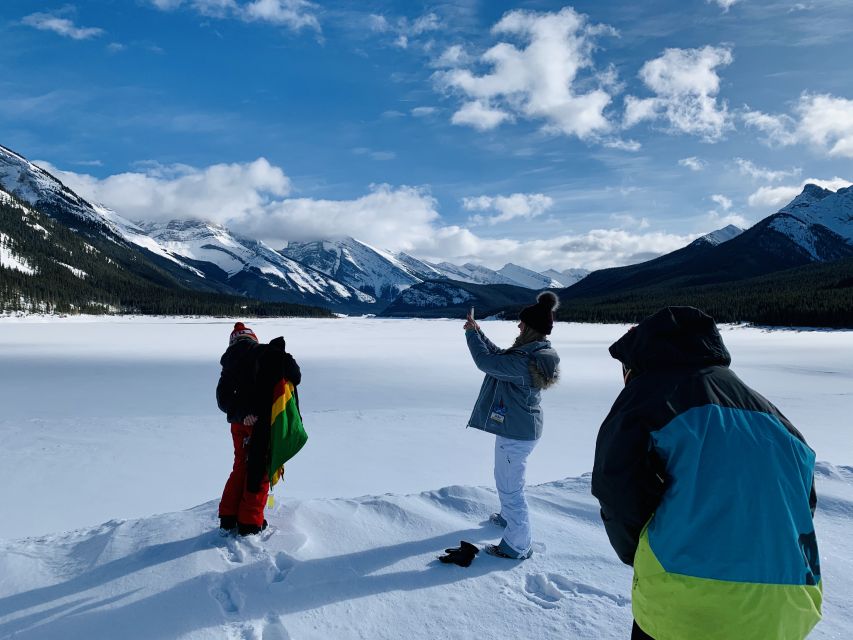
x: 707, y: 489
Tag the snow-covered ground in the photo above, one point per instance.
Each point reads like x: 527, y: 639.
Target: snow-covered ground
x: 112, y: 420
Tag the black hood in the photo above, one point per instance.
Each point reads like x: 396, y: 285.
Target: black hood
x: 672, y: 337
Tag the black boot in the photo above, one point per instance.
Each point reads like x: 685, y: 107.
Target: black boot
x: 227, y: 523
x: 250, y: 529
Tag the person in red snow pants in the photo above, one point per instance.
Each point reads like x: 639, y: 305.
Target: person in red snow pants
x: 236, y: 500
x: 245, y: 393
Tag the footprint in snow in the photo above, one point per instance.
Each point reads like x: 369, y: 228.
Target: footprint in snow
x: 281, y: 565
x: 229, y: 599
x: 547, y: 589
x: 232, y: 551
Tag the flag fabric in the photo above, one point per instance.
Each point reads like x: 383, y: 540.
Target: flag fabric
x: 287, y: 434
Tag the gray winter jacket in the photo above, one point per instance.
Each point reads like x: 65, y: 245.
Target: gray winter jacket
x: 508, y: 404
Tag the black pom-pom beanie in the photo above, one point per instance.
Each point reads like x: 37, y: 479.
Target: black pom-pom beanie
x: 540, y: 316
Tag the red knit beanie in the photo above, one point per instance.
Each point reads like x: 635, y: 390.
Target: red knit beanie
x: 241, y: 331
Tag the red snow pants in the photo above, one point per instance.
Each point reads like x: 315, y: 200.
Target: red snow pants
x: 236, y: 500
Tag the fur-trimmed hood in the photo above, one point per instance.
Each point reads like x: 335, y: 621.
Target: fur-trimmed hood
x: 544, y: 363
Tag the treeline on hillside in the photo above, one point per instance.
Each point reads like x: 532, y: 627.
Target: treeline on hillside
x: 812, y: 296
x: 115, y: 278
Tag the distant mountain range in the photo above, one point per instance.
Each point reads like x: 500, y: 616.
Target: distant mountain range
x: 793, y: 267
x: 56, y: 247
x: 344, y: 275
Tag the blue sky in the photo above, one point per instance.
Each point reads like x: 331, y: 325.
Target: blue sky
x: 550, y: 134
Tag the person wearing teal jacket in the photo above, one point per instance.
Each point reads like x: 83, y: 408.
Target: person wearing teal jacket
x: 707, y: 490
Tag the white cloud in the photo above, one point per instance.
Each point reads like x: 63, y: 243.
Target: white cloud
x: 62, y: 26
x: 453, y: 56
x: 421, y: 112
x: 723, y: 215
x: 725, y: 5
x: 693, y: 163
x: 404, y: 29
x: 480, y: 115
x: 686, y: 84
x: 775, y: 197
x: 779, y: 129
x: 538, y: 81
x: 221, y: 192
x: 622, y: 145
x: 517, y: 205
x: 722, y: 201
x: 396, y: 218
x: 595, y: 249
x: 748, y: 168
x: 821, y: 120
x: 293, y: 14
x: 827, y: 121
x: 719, y: 220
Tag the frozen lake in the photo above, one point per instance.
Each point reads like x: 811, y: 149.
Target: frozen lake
x: 116, y: 417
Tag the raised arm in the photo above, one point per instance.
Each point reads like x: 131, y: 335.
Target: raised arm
x: 508, y: 366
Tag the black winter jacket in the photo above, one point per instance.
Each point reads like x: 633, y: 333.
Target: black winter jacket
x: 677, y: 362
x: 250, y: 371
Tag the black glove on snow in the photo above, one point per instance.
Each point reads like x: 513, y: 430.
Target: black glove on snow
x: 463, y: 555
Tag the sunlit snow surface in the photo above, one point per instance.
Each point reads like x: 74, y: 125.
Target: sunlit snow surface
x: 104, y: 420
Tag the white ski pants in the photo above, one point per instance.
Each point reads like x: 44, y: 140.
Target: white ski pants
x: 510, y: 467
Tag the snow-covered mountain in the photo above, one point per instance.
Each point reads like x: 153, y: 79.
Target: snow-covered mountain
x: 379, y: 273
x: 819, y: 221
x: 528, y: 278
x: 566, y: 277
x: 250, y: 266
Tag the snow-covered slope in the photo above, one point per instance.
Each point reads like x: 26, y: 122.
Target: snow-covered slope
x: 421, y: 268
x: 358, y: 568
x: 719, y: 236
x: 38, y: 188
x: 473, y: 273
x: 356, y: 264
x: 568, y: 277
x: 250, y: 265
x: 527, y: 278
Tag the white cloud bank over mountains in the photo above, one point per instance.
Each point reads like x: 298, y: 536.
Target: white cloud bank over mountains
x: 256, y: 199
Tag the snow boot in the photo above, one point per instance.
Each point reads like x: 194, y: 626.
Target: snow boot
x: 463, y: 555
x: 498, y: 520
x: 227, y: 524
x: 503, y: 550
x: 250, y: 529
